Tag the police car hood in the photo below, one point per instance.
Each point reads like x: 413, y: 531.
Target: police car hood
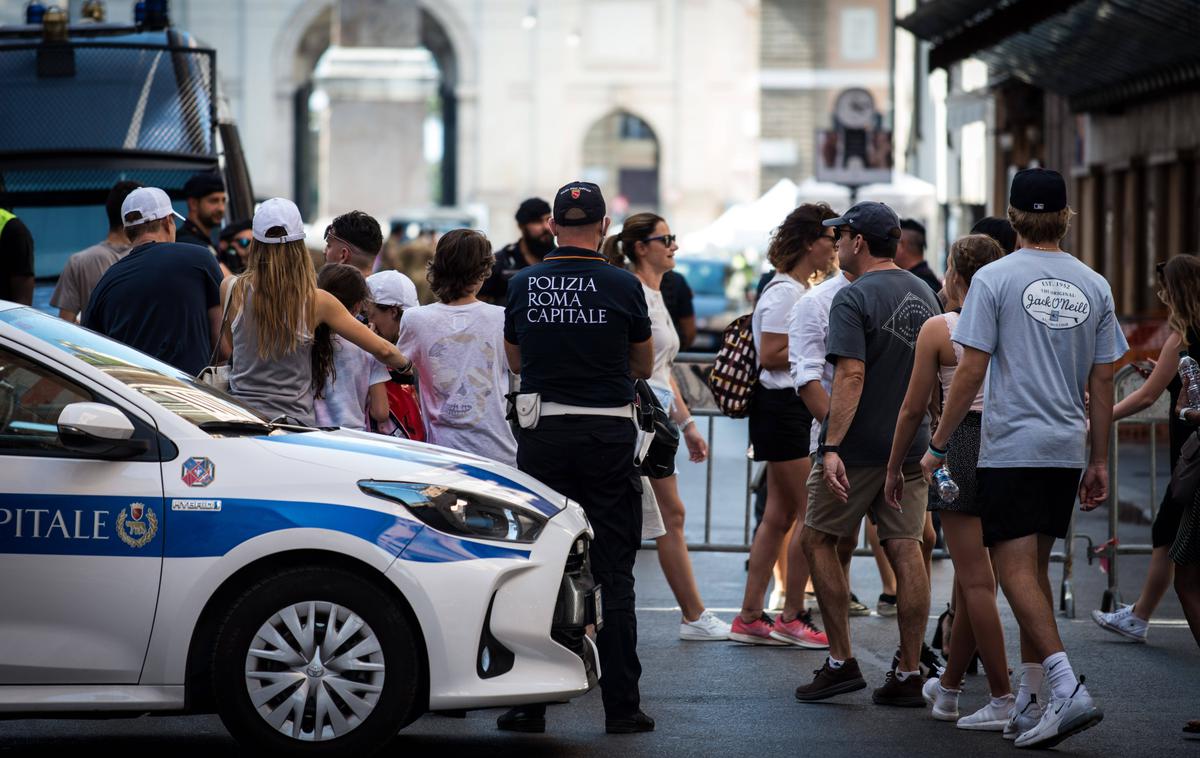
x: 373, y: 456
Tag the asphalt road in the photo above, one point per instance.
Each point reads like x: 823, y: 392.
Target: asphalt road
x: 723, y: 698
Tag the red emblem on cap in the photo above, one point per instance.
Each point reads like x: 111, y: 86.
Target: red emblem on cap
x: 574, y: 193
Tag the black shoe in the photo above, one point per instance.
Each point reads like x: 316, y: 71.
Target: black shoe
x: 527, y: 719
x: 829, y: 681
x: 929, y: 665
x: 905, y: 693
x: 638, y: 722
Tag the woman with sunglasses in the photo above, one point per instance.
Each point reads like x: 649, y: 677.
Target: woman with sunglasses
x: 274, y: 310
x: 233, y: 247
x: 780, y: 425
x: 1179, y: 288
x: 647, y: 245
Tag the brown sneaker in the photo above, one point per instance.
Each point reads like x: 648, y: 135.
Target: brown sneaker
x: 905, y: 693
x: 830, y: 681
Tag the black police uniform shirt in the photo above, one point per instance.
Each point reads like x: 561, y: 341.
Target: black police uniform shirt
x: 509, y: 260
x: 574, y: 317
x: 156, y: 299
x: 191, y: 234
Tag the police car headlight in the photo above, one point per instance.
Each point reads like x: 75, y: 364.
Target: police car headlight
x: 463, y: 513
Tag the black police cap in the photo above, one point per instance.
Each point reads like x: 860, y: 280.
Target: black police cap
x: 578, y: 204
x: 203, y: 185
x: 533, y: 209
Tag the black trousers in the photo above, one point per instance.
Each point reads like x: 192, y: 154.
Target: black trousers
x: 590, y: 460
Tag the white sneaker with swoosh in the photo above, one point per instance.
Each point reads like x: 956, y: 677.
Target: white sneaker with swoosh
x: 1063, y: 718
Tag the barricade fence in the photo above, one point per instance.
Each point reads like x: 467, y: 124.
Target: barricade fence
x: 691, y: 371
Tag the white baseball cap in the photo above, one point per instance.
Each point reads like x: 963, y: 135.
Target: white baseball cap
x: 149, y: 203
x: 392, y: 288
x: 278, y: 212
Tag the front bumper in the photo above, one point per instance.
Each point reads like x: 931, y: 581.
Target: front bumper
x: 529, y: 613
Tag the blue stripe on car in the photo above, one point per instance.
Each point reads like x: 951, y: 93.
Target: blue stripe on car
x: 512, y: 489
x: 86, y: 525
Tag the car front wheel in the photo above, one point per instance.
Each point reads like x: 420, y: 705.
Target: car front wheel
x: 315, y: 662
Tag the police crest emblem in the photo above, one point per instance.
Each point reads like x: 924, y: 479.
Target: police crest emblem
x: 575, y: 193
x: 198, y: 472
x: 137, y: 525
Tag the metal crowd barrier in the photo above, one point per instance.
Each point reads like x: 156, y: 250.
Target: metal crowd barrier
x: 690, y: 371
x: 1125, y: 382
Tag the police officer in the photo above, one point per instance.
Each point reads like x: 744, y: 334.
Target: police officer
x: 579, y: 332
x: 533, y: 219
x: 205, y: 193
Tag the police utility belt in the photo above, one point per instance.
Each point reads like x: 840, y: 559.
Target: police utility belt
x: 654, y: 451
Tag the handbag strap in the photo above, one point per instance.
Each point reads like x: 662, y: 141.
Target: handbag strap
x: 224, y: 319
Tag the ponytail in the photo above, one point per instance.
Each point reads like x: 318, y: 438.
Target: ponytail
x: 619, y: 249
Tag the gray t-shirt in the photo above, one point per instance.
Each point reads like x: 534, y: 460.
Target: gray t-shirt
x: 82, y: 272
x: 876, y: 320
x: 1046, y: 319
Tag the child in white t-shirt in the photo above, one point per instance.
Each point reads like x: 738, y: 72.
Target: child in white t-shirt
x: 457, y: 345
x: 348, y: 383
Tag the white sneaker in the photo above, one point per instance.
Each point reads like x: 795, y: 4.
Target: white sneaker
x: 1123, y: 622
x: 943, y: 701
x: 1022, y: 722
x: 989, y: 718
x: 1063, y: 718
x: 706, y: 628
x: 776, y: 600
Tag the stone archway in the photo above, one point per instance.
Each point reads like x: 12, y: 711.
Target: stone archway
x: 430, y: 25
x: 621, y: 153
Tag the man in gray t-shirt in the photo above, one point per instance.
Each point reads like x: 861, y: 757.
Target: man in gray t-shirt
x: 84, y: 269
x: 1041, y: 326
x: 873, y: 327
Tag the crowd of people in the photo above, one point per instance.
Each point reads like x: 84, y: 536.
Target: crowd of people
x: 870, y: 395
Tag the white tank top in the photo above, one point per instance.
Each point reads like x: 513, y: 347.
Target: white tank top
x: 946, y: 373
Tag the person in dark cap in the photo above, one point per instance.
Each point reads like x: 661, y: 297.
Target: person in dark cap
x: 998, y: 229
x: 533, y: 219
x: 873, y: 327
x: 1042, y: 327
x: 577, y: 329
x: 205, y: 195
x: 233, y: 246
x: 910, y: 253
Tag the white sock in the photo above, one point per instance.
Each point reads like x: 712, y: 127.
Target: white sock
x: 949, y: 690
x: 1031, y: 683
x: 834, y: 663
x: 1061, y: 677
x: 1000, y: 703
x: 904, y: 675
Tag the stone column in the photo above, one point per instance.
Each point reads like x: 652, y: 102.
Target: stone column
x: 377, y: 82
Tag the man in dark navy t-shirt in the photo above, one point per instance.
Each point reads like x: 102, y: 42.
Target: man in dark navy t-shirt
x: 163, y: 298
x: 578, y: 331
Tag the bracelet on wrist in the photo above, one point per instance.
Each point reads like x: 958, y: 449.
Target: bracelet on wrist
x: 686, y: 423
x: 937, y: 452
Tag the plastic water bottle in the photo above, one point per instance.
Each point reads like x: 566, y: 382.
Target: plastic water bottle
x: 947, y: 489
x: 1189, y: 373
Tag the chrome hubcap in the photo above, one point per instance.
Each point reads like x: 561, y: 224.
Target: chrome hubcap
x: 315, y: 671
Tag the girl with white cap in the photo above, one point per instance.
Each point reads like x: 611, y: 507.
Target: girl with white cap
x: 274, y: 308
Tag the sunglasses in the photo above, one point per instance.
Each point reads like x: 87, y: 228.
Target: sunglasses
x: 242, y: 242
x: 667, y: 239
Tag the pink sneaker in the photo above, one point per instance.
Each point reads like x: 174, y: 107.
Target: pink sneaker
x: 757, y: 632
x: 800, y: 631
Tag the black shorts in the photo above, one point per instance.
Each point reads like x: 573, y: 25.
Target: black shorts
x: 780, y: 425
x: 1018, y: 502
x: 1167, y: 520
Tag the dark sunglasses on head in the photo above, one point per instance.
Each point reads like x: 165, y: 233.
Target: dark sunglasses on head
x: 667, y: 239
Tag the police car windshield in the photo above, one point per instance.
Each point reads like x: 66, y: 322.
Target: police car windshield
x: 166, y: 385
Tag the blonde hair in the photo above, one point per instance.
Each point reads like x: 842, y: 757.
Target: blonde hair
x: 1181, y: 292
x: 285, y: 287
x: 1037, y: 228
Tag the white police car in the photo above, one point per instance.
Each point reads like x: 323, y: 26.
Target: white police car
x: 164, y: 549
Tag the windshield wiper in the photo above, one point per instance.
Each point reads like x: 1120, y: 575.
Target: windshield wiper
x: 235, y: 426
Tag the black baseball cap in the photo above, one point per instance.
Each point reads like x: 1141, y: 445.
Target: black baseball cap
x: 203, y: 185
x: 533, y: 209
x: 870, y: 219
x: 1038, y: 190
x: 578, y: 204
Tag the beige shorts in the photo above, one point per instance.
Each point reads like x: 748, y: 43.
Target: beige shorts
x: 828, y: 514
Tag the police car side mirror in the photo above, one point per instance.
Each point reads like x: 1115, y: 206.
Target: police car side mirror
x: 98, y: 430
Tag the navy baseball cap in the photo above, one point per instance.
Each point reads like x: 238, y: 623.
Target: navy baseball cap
x: 871, y: 219
x: 1038, y: 190
x: 578, y: 204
